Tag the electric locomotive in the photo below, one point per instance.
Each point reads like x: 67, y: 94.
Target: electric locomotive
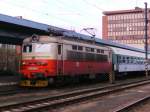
x: 46, y: 59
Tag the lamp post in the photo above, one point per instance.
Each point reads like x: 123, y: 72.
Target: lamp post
x: 146, y: 44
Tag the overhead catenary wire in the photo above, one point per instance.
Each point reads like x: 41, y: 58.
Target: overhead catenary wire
x: 93, y: 5
x: 69, y: 22
x: 41, y: 13
x: 45, y: 2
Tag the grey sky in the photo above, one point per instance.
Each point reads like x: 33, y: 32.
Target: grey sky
x: 69, y: 14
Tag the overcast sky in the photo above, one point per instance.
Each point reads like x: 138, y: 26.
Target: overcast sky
x: 69, y: 14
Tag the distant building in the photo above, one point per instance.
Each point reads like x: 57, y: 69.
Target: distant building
x: 125, y: 26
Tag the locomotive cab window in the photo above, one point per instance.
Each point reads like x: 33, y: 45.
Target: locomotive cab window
x: 27, y: 48
x: 42, y: 48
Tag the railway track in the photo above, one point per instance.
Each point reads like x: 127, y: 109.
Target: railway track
x: 133, y: 104
x: 8, y: 88
x: 69, y: 98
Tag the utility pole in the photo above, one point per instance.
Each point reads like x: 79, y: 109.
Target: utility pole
x: 146, y: 44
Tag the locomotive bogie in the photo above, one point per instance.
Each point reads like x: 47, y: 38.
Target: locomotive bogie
x: 36, y: 83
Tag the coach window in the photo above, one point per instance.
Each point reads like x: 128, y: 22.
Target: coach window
x: 143, y: 61
x: 139, y: 60
x: 74, y: 47
x: 128, y: 61
x: 131, y: 60
x: 135, y: 60
x: 59, y: 49
x: 123, y: 60
x: 118, y: 59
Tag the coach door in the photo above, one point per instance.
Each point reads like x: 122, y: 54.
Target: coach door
x: 60, y: 59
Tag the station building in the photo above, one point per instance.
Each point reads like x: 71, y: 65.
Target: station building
x: 9, y: 59
x: 125, y: 26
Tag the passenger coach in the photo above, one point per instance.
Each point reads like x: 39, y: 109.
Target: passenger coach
x: 127, y: 61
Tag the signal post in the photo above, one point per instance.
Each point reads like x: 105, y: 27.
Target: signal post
x: 111, y: 77
x: 146, y: 43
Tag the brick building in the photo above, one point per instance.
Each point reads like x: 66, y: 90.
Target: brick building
x: 125, y: 26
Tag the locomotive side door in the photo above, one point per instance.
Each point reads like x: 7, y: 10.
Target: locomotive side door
x: 60, y: 59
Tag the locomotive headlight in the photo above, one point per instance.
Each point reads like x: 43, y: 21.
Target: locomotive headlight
x: 43, y: 63
x: 23, y: 63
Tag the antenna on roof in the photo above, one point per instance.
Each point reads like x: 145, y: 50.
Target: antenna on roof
x: 90, y: 31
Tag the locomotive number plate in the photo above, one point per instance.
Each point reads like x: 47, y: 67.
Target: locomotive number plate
x: 32, y: 68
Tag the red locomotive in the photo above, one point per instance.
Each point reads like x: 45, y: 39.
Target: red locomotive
x: 48, y: 58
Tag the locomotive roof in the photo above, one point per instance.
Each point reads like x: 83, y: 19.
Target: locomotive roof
x: 47, y: 39
x: 100, y: 41
x: 74, y: 35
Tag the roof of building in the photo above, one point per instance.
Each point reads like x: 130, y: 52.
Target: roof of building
x: 136, y: 10
x: 28, y: 24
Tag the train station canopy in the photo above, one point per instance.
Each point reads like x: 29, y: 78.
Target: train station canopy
x: 14, y: 30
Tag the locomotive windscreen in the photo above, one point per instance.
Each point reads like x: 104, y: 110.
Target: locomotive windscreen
x: 36, y: 48
x: 42, y: 47
x: 27, y: 48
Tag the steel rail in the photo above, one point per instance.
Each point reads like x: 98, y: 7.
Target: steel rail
x: 68, y: 98
x: 133, y: 104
